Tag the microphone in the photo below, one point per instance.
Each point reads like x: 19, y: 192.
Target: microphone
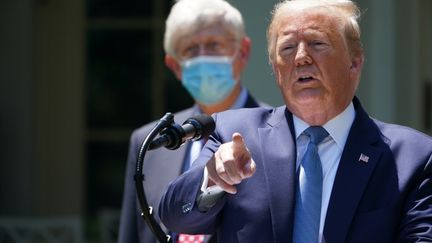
x: 175, y: 135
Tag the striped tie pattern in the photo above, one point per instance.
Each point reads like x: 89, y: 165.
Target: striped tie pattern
x: 309, y: 190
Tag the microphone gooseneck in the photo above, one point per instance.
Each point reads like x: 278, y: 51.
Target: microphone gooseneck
x: 171, y: 136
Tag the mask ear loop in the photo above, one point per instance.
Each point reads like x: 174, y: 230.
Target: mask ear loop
x: 237, y: 51
x: 233, y: 58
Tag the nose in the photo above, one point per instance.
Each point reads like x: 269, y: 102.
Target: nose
x: 199, y: 50
x: 302, y: 56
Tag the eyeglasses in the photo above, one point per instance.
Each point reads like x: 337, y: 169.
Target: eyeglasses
x: 208, y: 47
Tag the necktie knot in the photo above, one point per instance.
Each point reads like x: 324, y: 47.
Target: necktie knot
x: 316, y: 134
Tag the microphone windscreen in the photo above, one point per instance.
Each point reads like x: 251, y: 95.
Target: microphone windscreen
x: 206, y: 122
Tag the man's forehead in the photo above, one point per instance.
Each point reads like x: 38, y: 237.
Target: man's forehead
x: 215, y: 32
x: 290, y: 30
x: 307, y: 23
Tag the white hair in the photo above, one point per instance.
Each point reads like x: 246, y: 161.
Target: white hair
x: 347, y: 10
x: 187, y: 16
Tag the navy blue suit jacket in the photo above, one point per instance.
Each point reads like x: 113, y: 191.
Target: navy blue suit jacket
x: 160, y: 167
x: 386, y: 199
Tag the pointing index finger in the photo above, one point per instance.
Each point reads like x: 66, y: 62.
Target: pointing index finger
x: 245, y: 163
x: 238, y: 142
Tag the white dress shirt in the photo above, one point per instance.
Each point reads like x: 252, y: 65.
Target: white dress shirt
x: 329, y: 150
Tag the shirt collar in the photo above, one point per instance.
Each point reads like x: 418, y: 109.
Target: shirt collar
x: 241, y: 99
x: 338, y: 127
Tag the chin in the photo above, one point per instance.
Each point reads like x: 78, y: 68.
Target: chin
x: 308, y: 105
x: 310, y: 99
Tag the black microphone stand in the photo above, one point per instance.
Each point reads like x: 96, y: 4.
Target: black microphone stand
x: 146, y: 210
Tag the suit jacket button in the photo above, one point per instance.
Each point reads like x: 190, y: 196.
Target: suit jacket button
x: 187, y: 207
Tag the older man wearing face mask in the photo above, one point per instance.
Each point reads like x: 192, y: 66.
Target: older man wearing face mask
x: 207, y: 49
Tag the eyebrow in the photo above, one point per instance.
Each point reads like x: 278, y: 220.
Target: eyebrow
x: 313, y: 28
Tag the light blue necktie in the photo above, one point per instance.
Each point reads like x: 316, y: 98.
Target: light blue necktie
x: 309, y: 190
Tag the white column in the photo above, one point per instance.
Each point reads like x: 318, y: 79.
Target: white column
x: 409, y: 83
x: 258, y: 77
x: 377, y: 87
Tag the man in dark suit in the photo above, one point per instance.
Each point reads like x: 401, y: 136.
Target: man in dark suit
x: 318, y: 169
x: 207, y: 48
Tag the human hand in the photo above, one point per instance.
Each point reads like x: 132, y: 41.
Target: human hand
x: 231, y: 164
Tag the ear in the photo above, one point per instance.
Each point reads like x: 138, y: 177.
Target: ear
x: 273, y: 66
x: 242, y: 58
x: 276, y: 74
x: 245, y: 50
x: 174, y: 66
x: 356, y: 66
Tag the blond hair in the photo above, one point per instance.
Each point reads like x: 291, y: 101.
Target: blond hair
x: 347, y: 10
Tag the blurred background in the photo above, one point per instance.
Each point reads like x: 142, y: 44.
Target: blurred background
x: 77, y: 76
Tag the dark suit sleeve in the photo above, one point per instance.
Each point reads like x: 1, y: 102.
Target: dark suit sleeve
x: 178, y: 210
x: 128, y: 220
x: 416, y: 224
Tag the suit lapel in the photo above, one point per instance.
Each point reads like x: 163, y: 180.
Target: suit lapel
x: 278, y: 155
x: 358, y: 160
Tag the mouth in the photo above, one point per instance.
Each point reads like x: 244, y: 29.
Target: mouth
x: 305, y: 78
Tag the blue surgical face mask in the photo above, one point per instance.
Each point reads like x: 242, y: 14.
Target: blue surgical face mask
x: 209, y: 79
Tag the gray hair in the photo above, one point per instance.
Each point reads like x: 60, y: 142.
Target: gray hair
x: 189, y: 15
x: 347, y: 10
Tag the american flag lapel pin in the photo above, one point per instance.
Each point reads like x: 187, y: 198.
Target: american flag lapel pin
x: 363, y: 158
